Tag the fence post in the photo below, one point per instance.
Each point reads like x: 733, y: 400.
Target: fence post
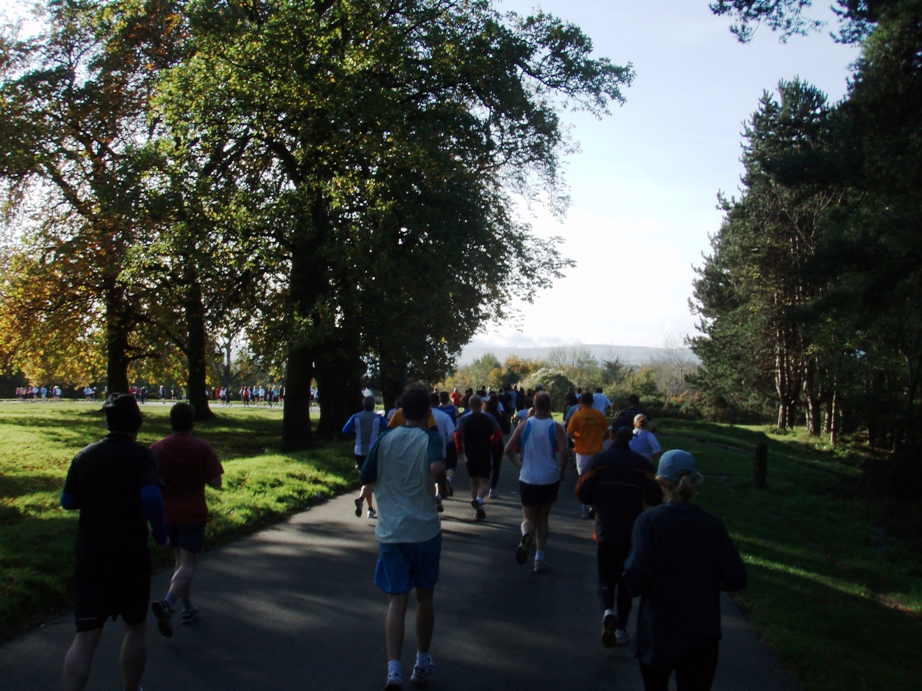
x: 761, y: 470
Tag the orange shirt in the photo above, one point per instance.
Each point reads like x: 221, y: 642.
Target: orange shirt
x: 587, y: 428
x: 398, y: 420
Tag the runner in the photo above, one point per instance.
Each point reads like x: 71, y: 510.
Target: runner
x: 365, y: 427
x: 533, y: 449
x: 619, y: 484
x: 588, y: 429
x: 404, y: 467
x: 475, y: 435
x: 115, y: 485
x: 187, y: 464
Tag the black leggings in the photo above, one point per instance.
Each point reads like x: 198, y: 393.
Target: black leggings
x: 694, y: 671
x: 611, y: 556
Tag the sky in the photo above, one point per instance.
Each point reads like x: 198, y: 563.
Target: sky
x: 644, y: 186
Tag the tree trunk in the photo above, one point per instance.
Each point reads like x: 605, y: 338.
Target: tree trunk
x: 339, y: 381
x: 196, y: 355
x: 118, y: 328
x: 296, y: 414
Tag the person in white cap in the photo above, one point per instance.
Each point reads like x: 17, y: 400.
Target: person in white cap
x: 681, y: 559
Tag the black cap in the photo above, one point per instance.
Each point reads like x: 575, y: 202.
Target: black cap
x: 122, y: 413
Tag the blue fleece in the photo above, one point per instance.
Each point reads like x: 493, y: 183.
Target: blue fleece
x: 152, y: 500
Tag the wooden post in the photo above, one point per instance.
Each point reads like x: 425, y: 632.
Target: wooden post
x: 761, y: 474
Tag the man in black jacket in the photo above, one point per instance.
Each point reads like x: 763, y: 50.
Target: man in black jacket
x: 619, y: 484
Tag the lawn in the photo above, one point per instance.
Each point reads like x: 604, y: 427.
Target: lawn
x: 38, y: 441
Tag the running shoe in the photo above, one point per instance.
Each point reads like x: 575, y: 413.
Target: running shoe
x: 609, y: 624
x: 163, y: 612
x: 521, y: 552
x: 585, y: 514
x: 372, y: 513
x: 449, y: 490
x: 189, y: 616
x: 358, y: 507
x: 421, y: 674
x: 394, y: 682
x: 478, y: 508
x: 492, y: 494
x: 621, y: 637
x: 540, y: 566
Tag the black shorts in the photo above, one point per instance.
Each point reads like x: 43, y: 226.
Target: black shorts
x: 187, y: 536
x: 478, y: 467
x: 451, y: 457
x: 102, y: 593
x: 359, y: 461
x: 536, y: 495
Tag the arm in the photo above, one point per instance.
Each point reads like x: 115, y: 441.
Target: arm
x: 69, y: 501
x: 564, y: 448
x: 152, y: 500
x: 638, y: 569
x: 733, y: 571
x: 512, y: 448
x: 349, y: 427
x: 215, y: 482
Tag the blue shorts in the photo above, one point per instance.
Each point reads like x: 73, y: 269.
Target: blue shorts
x: 187, y: 536
x: 403, y: 566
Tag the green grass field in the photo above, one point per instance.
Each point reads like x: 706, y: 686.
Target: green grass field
x: 38, y: 441
x: 831, y: 590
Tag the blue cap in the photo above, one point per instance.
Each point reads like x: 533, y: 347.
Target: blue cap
x: 675, y: 464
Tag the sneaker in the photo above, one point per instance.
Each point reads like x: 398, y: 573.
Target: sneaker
x: 621, y: 637
x: 189, y: 616
x: 394, y: 682
x: 609, y: 623
x: 358, y: 507
x: 372, y: 513
x: 478, y: 508
x: 521, y: 552
x: 163, y: 612
x: 492, y: 494
x: 421, y: 674
x: 585, y: 514
x: 540, y: 566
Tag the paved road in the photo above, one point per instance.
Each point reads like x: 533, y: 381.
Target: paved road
x: 294, y: 607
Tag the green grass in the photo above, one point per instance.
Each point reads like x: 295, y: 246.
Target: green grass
x: 838, y: 598
x: 38, y: 441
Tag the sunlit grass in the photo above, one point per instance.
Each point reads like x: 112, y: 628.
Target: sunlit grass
x: 38, y: 441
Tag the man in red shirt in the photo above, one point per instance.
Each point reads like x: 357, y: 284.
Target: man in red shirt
x: 187, y: 464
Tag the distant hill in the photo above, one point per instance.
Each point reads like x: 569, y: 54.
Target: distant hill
x: 629, y: 355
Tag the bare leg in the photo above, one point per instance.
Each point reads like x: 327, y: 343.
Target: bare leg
x: 541, y: 526
x: 425, y: 619
x: 134, y: 655
x: 79, y: 659
x: 181, y: 583
x: 393, y: 628
x: 529, y: 519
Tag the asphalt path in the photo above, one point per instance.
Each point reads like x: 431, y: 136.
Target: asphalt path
x: 295, y: 607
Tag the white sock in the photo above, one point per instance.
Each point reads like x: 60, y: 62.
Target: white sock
x: 539, y: 556
x: 422, y: 659
x: 393, y: 667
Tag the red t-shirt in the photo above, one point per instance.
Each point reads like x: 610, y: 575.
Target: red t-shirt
x: 187, y: 463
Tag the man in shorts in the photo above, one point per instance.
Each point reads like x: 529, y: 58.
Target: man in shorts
x: 533, y: 449
x: 588, y: 429
x: 403, y: 468
x: 365, y: 426
x: 115, y: 485
x: 475, y: 435
x: 187, y: 464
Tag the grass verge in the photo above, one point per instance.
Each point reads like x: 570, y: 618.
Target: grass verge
x: 830, y: 590
x: 39, y: 440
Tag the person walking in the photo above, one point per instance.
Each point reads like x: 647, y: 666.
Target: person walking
x: 187, y: 465
x: 365, y: 427
x: 403, y: 467
x: 645, y: 442
x: 681, y: 559
x: 115, y: 485
x: 475, y: 435
x: 533, y: 449
x: 619, y: 484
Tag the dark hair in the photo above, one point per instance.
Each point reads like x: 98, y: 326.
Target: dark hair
x: 415, y: 404
x: 586, y: 398
x: 443, y: 397
x: 633, y: 399
x: 122, y: 413
x: 182, y: 417
x: 434, y: 399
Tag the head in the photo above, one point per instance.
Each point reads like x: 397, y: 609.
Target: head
x: 678, y: 475
x: 640, y: 421
x: 122, y: 413
x: 433, y: 400
x: 368, y: 403
x: 443, y: 397
x: 543, y: 402
x: 585, y: 399
x: 623, y: 435
x: 182, y: 417
x: 633, y: 400
x: 415, y: 404
x: 493, y: 402
x: 598, y: 389
x: 529, y: 402
x: 475, y: 402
